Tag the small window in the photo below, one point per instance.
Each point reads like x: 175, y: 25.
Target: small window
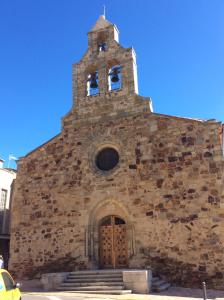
x: 9, y: 283
x: 107, y: 159
x: 102, y: 47
x: 3, y: 199
x: 102, y: 37
x: 106, y: 222
x: 114, y: 78
x: 112, y: 220
x: 118, y: 221
x: 92, y: 84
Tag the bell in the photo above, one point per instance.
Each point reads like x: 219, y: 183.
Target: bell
x: 93, y: 82
x: 102, y: 47
x: 114, y: 75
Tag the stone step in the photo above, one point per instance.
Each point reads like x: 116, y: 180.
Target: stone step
x: 94, y: 282
x: 91, y: 288
x: 163, y: 287
x: 158, y: 282
x: 92, y: 279
x: 159, y: 285
x: 95, y: 276
x: 155, y: 279
x: 101, y: 283
x: 104, y: 281
x: 106, y: 292
x: 68, y: 279
x: 96, y: 272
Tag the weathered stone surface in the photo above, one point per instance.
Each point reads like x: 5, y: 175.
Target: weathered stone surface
x: 138, y: 281
x: 167, y: 186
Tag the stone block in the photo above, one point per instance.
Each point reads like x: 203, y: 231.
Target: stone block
x: 51, y: 281
x: 139, y: 281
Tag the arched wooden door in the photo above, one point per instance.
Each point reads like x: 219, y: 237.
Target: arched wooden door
x: 113, y: 243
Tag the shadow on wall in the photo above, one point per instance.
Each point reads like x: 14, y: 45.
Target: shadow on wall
x: 63, y: 264
x: 181, y: 274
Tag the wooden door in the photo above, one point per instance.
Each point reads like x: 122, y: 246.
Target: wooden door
x: 106, y: 245
x: 113, y: 243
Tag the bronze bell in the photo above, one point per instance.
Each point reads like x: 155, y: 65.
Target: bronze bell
x: 93, y: 82
x: 102, y: 47
x: 114, y: 75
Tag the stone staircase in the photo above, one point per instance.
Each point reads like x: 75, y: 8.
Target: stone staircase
x: 159, y: 285
x: 95, y: 282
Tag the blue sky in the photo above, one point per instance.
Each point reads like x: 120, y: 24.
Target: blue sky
x: 180, y: 56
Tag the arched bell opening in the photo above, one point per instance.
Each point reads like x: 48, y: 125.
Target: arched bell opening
x: 113, y: 246
x: 102, y: 46
x: 114, y: 78
x: 92, y: 83
x: 102, y: 41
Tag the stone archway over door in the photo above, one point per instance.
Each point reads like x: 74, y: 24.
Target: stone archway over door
x: 113, y: 243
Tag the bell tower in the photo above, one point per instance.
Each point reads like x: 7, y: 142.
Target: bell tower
x: 105, y: 79
x: 103, y: 59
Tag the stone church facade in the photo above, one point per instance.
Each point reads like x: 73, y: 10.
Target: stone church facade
x: 121, y: 186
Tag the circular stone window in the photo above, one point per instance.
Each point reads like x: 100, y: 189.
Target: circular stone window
x: 107, y: 159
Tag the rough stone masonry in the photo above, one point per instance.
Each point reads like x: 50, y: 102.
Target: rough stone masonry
x: 159, y: 179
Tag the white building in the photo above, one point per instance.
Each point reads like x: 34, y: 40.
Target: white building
x: 7, y: 177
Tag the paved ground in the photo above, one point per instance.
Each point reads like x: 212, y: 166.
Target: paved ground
x: 33, y: 287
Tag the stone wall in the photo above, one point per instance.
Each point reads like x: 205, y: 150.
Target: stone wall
x: 168, y: 184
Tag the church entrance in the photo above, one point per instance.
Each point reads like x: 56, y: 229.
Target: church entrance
x: 113, y: 243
